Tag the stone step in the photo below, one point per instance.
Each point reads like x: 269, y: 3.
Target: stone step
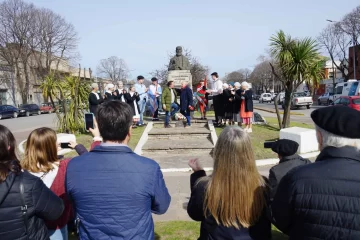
x: 168, y: 160
x: 179, y: 133
x: 178, y: 146
x: 173, y: 124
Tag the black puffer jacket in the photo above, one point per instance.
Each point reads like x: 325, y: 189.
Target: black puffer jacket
x: 279, y: 171
x: 42, y: 204
x: 321, y: 200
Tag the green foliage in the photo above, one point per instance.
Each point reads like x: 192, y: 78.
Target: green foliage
x: 298, y: 60
x: 72, y: 93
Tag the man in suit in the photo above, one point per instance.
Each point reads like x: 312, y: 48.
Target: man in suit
x: 115, y: 197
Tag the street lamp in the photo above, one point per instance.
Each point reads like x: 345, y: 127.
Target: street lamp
x: 354, y: 51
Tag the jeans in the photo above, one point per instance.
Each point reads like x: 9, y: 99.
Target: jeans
x: 59, y: 234
x: 186, y: 113
x: 173, y: 108
x: 142, y: 105
x: 156, y: 114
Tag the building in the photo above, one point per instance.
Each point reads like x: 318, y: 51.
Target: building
x: 330, y: 70
x: 357, y: 62
x: 12, y: 83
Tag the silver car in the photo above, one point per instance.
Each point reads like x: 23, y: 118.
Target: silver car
x: 325, y: 99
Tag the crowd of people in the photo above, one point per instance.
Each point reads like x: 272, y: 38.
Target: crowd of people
x: 111, y: 192
x: 232, y: 102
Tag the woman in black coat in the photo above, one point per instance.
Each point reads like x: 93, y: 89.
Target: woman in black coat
x: 234, y: 177
x: 109, y: 94
x: 25, y: 201
x: 186, y: 102
x: 94, y: 98
x: 228, y: 104
x: 132, y: 98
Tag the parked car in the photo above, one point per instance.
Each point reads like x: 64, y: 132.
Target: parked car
x: 8, y: 111
x: 326, y: 98
x: 29, y: 109
x: 46, y: 108
x: 256, y: 97
x: 265, y: 97
x: 350, y: 101
x: 300, y: 99
x: 273, y: 96
x: 281, y: 98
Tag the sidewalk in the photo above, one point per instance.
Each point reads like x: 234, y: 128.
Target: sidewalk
x: 178, y: 184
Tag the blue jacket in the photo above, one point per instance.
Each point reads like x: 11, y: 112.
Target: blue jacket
x: 114, y: 192
x: 186, y: 98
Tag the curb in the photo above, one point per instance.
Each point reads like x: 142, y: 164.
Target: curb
x: 281, y: 112
x: 143, y: 139
x: 213, y: 134
x: 259, y: 163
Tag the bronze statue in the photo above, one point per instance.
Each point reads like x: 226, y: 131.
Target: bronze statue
x: 179, y: 62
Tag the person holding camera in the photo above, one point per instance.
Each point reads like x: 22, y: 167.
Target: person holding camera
x: 286, y: 150
x: 132, y: 98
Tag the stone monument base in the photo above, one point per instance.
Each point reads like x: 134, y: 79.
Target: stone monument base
x: 180, y: 75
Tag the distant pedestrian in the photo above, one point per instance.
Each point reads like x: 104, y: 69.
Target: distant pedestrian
x: 186, y: 102
x: 169, y: 101
x: 231, y: 203
x: 286, y: 150
x: 246, y: 107
x: 95, y: 98
x: 217, y: 98
x: 321, y: 200
x: 115, y: 191
x: 132, y: 98
x: 25, y: 201
x: 142, y: 90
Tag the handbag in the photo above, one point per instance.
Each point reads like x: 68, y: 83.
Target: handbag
x: 23, y: 207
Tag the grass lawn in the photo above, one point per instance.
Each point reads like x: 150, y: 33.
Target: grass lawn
x: 86, y: 140
x: 263, y: 133
x: 183, y: 230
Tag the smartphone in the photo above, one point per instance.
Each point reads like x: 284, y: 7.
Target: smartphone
x: 64, y: 145
x: 89, y: 121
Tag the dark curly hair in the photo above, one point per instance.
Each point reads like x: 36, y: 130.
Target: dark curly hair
x: 8, y: 160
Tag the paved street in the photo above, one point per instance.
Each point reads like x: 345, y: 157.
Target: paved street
x: 22, y: 126
x: 305, y: 118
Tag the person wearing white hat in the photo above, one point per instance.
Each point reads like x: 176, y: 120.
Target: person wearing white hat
x: 246, y: 107
x: 109, y: 92
x: 94, y: 98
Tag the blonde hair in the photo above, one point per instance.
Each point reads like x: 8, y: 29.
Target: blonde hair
x: 235, y: 193
x: 41, y: 150
x: 184, y: 82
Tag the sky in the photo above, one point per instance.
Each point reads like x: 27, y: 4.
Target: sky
x: 225, y: 35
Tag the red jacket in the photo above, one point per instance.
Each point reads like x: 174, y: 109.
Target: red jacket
x: 58, y: 187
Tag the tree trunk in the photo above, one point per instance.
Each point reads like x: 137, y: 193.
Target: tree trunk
x: 276, y: 103
x: 287, y: 105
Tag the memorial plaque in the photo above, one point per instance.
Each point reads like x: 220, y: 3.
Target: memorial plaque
x: 180, y: 75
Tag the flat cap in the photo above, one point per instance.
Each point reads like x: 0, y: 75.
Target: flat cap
x: 154, y: 79
x: 339, y: 120
x: 140, y: 77
x: 285, y: 147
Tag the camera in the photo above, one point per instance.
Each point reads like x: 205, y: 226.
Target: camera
x: 269, y: 144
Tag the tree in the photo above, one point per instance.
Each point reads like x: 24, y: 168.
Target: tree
x: 113, y: 68
x: 235, y: 76
x: 261, y: 76
x: 336, y: 42
x: 295, y: 58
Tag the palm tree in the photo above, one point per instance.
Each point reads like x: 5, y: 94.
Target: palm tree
x: 295, y: 58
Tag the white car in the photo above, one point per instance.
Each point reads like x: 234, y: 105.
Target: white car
x: 265, y: 97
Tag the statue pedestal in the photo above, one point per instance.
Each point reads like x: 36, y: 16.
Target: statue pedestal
x: 180, y: 75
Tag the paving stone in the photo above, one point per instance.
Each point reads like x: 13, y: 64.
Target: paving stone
x: 181, y: 131
x: 187, y: 143
x: 167, y: 161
